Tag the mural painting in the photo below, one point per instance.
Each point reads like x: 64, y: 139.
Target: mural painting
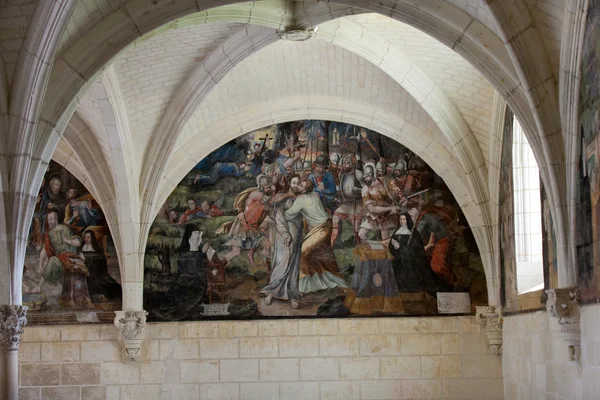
x: 508, y: 257
x: 309, y: 218
x: 588, y: 201
x: 71, y: 268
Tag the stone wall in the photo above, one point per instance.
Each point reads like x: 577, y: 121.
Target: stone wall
x: 535, y: 358
x: 388, y: 358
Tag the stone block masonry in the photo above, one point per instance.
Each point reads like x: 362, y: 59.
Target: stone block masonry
x: 384, y: 358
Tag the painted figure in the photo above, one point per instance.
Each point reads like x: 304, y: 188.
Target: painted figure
x: 59, y: 256
x: 286, y: 248
x: 191, y: 261
x: 377, y: 204
x: 318, y: 267
x: 433, y: 225
x: 51, y: 198
x: 244, y: 232
x: 324, y: 183
x: 221, y: 170
x: 191, y: 213
x: 411, y: 267
x: 101, y: 286
x: 351, y: 208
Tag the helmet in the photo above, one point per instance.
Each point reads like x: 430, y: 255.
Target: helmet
x: 369, y: 169
x: 297, y: 166
x: 262, y: 180
x: 323, y: 160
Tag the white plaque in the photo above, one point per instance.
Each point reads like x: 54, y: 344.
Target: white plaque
x: 216, y: 309
x: 454, y: 303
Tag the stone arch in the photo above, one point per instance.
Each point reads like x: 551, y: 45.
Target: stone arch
x: 84, y: 60
x: 346, y: 34
x: 446, y: 23
x: 198, y: 84
x: 524, y: 44
x: 424, y: 144
x: 26, y: 155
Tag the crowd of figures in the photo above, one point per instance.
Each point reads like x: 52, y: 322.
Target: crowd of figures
x: 319, y: 189
x: 68, y: 246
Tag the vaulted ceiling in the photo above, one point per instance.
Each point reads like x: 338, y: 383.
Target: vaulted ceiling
x: 142, y: 90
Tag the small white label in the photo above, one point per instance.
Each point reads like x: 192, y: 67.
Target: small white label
x: 216, y: 309
x: 454, y: 303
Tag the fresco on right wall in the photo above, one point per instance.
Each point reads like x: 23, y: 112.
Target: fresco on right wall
x: 588, y: 196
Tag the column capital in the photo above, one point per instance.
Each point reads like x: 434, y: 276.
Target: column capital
x: 12, y: 320
x: 131, y: 326
x: 491, y: 318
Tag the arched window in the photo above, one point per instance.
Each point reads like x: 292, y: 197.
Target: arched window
x: 528, y: 214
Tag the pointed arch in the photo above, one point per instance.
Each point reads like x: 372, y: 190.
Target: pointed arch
x: 423, y: 143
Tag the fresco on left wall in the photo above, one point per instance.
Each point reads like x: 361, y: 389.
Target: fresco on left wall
x: 71, y: 269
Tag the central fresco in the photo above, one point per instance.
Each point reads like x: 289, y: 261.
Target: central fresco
x: 309, y: 218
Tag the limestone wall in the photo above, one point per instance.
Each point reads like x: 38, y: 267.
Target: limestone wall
x: 535, y: 358
x: 397, y: 358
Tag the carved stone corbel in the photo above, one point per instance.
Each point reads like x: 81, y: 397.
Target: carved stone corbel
x: 491, y: 318
x: 563, y: 304
x: 131, y: 325
x: 12, y: 320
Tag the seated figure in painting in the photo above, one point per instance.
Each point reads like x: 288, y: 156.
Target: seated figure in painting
x: 209, y: 210
x: 101, y: 286
x: 318, y: 267
x: 191, y: 213
x: 411, y: 266
x: 58, y: 257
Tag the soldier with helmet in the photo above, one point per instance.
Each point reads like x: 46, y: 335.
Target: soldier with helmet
x: 378, y: 209
x: 350, y: 192
x: 244, y: 231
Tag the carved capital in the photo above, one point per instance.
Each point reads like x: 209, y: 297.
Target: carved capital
x: 12, y: 320
x: 491, y: 318
x: 296, y: 35
x: 131, y: 326
x: 563, y: 304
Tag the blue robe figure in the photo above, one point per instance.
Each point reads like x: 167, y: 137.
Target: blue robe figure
x: 328, y: 193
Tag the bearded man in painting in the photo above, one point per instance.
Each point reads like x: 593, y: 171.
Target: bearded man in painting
x: 318, y: 267
x: 286, y: 246
x: 380, y: 214
x: 51, y: 198
x: 59, y: 256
